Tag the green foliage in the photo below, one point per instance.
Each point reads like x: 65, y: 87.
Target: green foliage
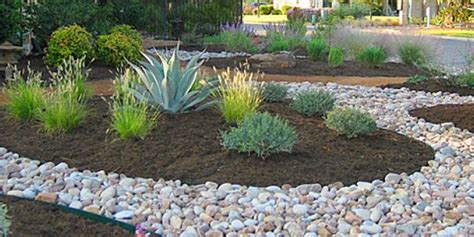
x: 238, y: 95
x: 130, y: 118
x: 25, y: 97
x: 279, y: 44
x: 285, y: 9
x: 68, y: 41
x: 336, y: 57
x: 416, y: 79
x: 166, y: 86
x: 355, y: 10
x: 454, y: 13
x: 466, y: 79
x: 274, y: 92
x: 412, y: 54
x: 233, y: 41
x: 117, y: 49
x: 70, y: 77
x: 317, y: 49
x: 276, y: 12
x: 262, y: 134
x: 350, y: 122
x: 279, y: 41
x: 265, y: 9
x: 10, y: 21
x: 372, y: 56
x: 5, y: 220
x: 297, y: 26
x: 128, y: 31
x: 205, y: 17
x: 313, y: 102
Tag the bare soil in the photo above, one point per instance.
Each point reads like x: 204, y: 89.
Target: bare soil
x: 461, y: 115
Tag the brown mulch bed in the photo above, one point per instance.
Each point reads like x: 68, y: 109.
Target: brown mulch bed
x: 461, y: 115
x: 30, y: 218
x: 187, y: 147
x: 308, y: 67
x: 434, y: 85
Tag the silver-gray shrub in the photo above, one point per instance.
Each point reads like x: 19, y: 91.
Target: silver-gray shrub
x: 313, y: 102
x: 350, y: 122
x: 274, y: 92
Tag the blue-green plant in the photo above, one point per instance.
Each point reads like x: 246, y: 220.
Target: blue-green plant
x: 416, y: 79
x: 350, y: 122
x: 262, y: 134
x: 5, y: 220
x: 168, y: 87
x: 274, y: 92
x: 313, y: 102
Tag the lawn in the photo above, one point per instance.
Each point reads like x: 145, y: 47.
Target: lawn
x: 254, y: 19
x: 450, y: 32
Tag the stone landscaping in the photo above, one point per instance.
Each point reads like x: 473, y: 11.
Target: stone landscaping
x: 438, y: 199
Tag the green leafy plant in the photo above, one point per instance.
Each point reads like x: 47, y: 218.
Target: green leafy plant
x: 238, y: 95
x: 336, y: 57
x: 416, y: 79
x: 372, y: 56
x: 466, y: 79
x: 5, y: 220
x: 265, y: 9
x: 11, y: 21
x: 278, y: 45
x: 413, y: 54
x: 128, y: 31
x: 233, y: 41
x: 274, y: 92
x: 317, y: 49
x: 313, y: 102
x: 350, y: 122
x: 24, y: 97
x: 262, y: 134
x: 168, y: 87
x: 117, y: 49
x: 68, y: 41
x: 130, y: 117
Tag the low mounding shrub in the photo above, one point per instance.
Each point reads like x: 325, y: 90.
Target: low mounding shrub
x: 233, y: 41
x: 313, y: 102
x: 416, y: 79
x: 413, y: 54
x: 262, y: 134
x: 130, y: 117
x: 336, y: 57
x: 372, y: 56
x: 69, y: 41
x: 279, y: 44
x: 266, y: 9
x: 25, y: 97
x: 274, y: 92
x: 238, y: 94
x: 316, y: 49
x: 122, y: 45
x: 350, y: 122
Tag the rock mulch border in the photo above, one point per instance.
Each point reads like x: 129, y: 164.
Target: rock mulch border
x: 439, y: 199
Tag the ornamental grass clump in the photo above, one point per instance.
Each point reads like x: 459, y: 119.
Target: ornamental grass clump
x: 350, y: 122
x: 130, y: 117
x: 238, y: 95
x: 317, y: 49
x: 313, y: 102
x: 274, y: 92
x: 372, y: 56
x: 168, y: 87
x: 414, y: 53
x: 336, y: 57
x: 262, y: 134
x: 5, y: 221
x: 25, y: 96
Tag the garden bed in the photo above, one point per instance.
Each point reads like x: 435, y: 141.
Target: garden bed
x: 306, y: 66
x: 461, y: 115
x: 32, y: 218
x: 434, y: 85
x: 187, y: 147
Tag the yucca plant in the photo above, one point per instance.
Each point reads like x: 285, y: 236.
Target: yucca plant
x: 5, y: 220
x: 168, y: 87
x: 24, y: 96
x: 130, y: 117
x: 239, y: 95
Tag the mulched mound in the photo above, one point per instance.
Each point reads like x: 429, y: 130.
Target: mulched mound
x: 434, y: 85
x: 40, y: 219
x: 308, y: 67
x: 461, y: 115
x: 187, y: 147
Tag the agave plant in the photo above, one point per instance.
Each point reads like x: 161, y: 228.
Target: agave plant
x: 168, y: 87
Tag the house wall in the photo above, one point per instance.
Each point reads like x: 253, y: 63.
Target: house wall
x: 278, y: 4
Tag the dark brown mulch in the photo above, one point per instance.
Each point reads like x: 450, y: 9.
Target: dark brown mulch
x: 461, y: 115
x: 308, y: 67
x: 434, y: 85
x: 187, y: 147
x: 40, y: 219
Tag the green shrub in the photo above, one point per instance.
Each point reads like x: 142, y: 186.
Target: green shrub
x: 262, y: 134
x: 5, y: 221
x: 350, y: 122
x: 416, y: 79
x: 372, y: 56
x: 128, y: 31
x: 24, y: 97
x: 69, y: 41
x: 233, y: 41
x: 276, y: 12
x: 285, y: 9
x: 279, y: 45
x: 336, y: 57
x: 313, y: 102
x: 265, y: 9
x: 466, y: 79
x: 10, y: 21
x: 238, y: 95
x: 413, y: 54
x: 274, y: 92
x: 316, y: 49
x: 117, y: 48
x: 130, y: 118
